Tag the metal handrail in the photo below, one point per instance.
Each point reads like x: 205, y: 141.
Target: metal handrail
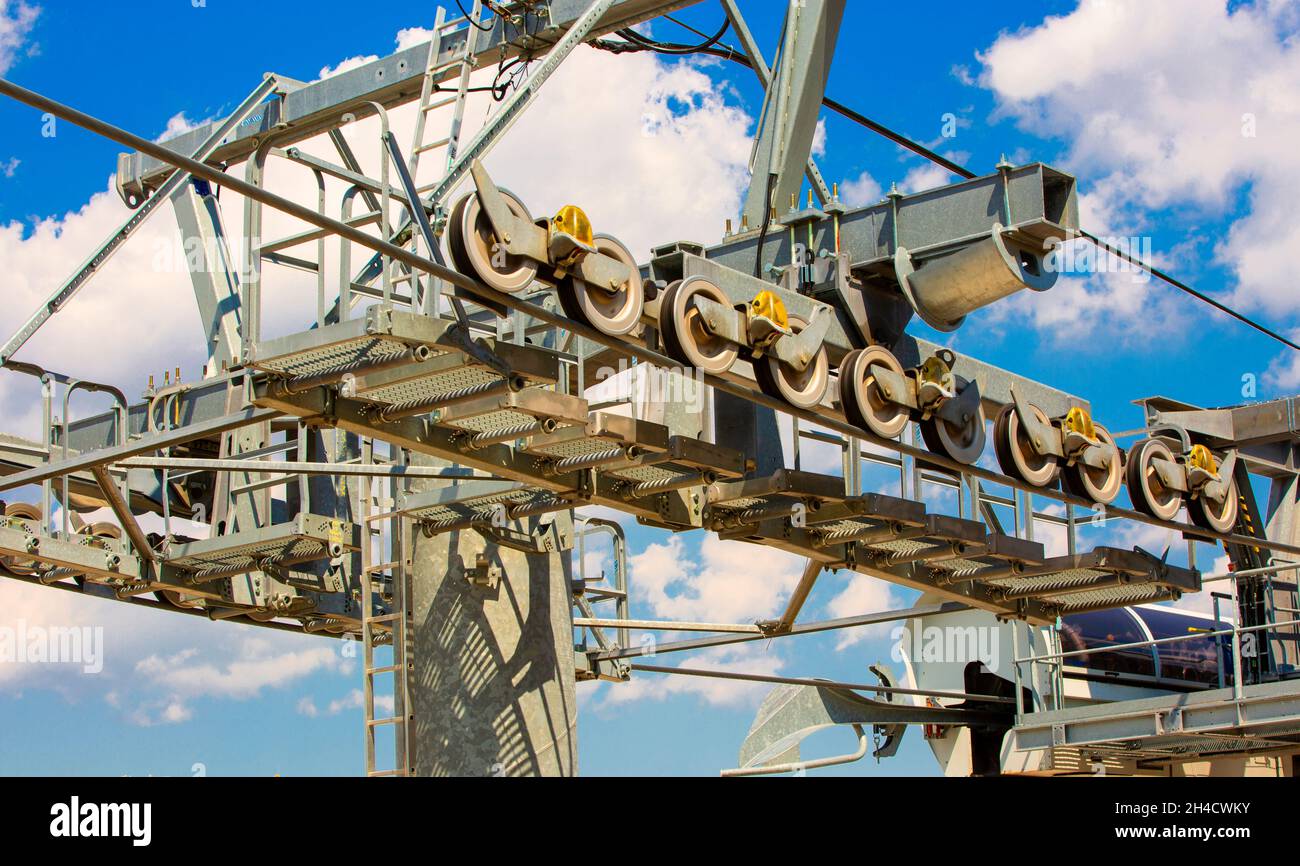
x: 1154, y: 642
x: 1058, y: 658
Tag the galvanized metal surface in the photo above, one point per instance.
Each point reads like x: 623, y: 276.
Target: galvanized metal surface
x: 347, y: 379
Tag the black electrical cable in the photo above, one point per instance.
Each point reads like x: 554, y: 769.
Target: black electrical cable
x: 499, y: 90
x: 461, y: 6
x: 673, y: 48
x: 762, y: 233
x: 726, y: 52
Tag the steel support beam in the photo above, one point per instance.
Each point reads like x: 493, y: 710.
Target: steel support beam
x: 202, y: 149
x: 117, y: 502
x: 794, y: 100
x: 145, y: 445
x: 214, y: 274
x: 756, y: 62
x: 315, y: 108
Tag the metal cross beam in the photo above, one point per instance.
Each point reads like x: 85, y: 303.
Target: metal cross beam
x: 764, y: 73
x: 145, y: 445
x: 794, y: 99
x: 390, y: 81
x: 214, y: 135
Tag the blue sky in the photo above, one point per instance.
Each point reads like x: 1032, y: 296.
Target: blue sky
x: 1162, y: 151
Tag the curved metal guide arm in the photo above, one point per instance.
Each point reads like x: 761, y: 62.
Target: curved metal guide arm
x: 790, y: 714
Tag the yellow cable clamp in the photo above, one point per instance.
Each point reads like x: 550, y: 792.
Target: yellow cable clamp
x: 1080, y: 422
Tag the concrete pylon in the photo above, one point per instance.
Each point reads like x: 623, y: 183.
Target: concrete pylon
x: 494, y: 688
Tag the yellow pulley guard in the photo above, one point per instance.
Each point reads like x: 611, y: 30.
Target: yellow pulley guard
x: 1080, y: 422
x: 767, y: 320
x: 935, y: 372
x: 569, y: 237
x: 935, y: 383
x: 1201, y: 458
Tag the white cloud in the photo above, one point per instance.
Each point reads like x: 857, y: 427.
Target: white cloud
x: 1173, y: 102
x: 259, y: 666
x: 1203, y: 601
x: 153, y: 663
x: 925, y: 177
x: 865, y: 190
x: 10, y: 166
x: 17, y: 18
x: 665, y: 158
x: 162, y: 324
x: 819, y: 139
x: 179, y: 124
x: 862, y: 191
x: 1284, y: 373
x: 749, y: 658
x: 347, y: 65
x: 170, y: 711
x: 412, y: 36
x: 353, y: 700
x: 862, y: 594
x: 726, y: 582
x: 1131, y: 307
x: 677, y: 153
x: 406, y: 38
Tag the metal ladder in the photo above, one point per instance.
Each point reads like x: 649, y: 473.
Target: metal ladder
x: 433, y: 71
x: 397, y: 620
x: 428, y: 91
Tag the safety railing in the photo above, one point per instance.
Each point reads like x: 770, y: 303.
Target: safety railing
x: 1055, y: 662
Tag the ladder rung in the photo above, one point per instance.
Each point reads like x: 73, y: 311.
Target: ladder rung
x: 383, y: 566
x: 386, y: 669
x: 440, y: 104
x: 387, y: 617
x: 432, y: 68
x: 425, y: 148
x: 395, y: 720
x: 376, y: 774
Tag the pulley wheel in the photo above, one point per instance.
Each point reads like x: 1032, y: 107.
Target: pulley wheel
x: 1219, y: 516
x: 964, y: 443
x: 177, y: 599
x: 686, y: 337
x: 99, y: 533
x: 1148, y: 493
x: 616, y: 313
x: 1097, y: 485
x: 803, y: 389
x: 24, y: 511
x: 1016, y: 452
x: 476, y: 251
x: 865, y: 404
